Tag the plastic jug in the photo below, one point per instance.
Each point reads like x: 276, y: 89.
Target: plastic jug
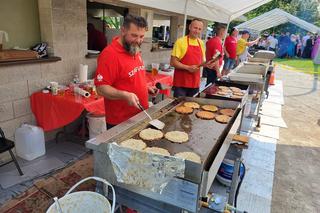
x: 29, y: 141
x: 97, y: 124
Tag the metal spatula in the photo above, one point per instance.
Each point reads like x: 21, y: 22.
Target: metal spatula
x: 153, y: 122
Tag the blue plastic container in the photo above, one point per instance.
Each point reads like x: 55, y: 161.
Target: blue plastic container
x: 225, y: 172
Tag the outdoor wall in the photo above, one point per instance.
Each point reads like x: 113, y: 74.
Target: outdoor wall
x: 177, y: 31
x: 159, y: 56
x: 63, y: 25
x: 22, y: 24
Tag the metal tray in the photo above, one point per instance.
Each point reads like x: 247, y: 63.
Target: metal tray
x: 211, y: 91
x: 246, y: 78
x: 260, y: 60
x: 252, y: 68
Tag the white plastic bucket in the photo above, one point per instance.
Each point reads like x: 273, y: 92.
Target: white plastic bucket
x: 29, y: 142
x: 84, y: 201
x: 96, y: 124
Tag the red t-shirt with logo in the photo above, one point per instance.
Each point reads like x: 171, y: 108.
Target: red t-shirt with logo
x: 231, y: 46
x: 125, y: 72
x: 212, y: 45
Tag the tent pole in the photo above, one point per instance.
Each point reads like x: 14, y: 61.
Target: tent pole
x: 185, y: 17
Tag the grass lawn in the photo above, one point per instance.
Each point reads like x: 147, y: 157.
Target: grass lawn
x: 305, y: 65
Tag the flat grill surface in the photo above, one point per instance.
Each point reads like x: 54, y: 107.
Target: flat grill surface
x: 204, y: 135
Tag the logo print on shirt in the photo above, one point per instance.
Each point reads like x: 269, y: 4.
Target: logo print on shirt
x: 99, y: 77
x: 135, y: 70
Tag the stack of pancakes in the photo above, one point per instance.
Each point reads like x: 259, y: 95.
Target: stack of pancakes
x: 233, y: 92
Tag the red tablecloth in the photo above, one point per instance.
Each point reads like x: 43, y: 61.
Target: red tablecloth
x: 53, y: 112
x: 163, y: 79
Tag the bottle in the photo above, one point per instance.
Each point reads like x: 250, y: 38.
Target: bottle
x: 54, y: 86
x: 54, y: 90
x: 76, y: 79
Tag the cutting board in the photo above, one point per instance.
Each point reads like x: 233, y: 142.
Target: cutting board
x: 15, y: 55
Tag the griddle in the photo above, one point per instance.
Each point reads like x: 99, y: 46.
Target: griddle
x: 204, y: 135
x: 208, y: 138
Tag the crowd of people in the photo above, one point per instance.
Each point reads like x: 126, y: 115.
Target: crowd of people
x: 288, y: 45
x: 234, y: 50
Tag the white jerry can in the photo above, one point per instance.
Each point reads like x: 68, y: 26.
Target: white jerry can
x: 29, y: 142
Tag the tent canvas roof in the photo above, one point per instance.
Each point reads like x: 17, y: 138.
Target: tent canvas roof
x: 222, y: 11
x: 274, y: 18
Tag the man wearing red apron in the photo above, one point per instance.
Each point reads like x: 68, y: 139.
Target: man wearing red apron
x: 188, y: 53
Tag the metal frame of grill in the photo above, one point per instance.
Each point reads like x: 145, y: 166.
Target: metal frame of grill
x: 198, y: 177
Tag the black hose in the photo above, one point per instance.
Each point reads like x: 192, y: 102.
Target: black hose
x: 239, y: 185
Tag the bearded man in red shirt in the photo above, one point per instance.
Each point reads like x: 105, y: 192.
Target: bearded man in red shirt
x: 120, y: 75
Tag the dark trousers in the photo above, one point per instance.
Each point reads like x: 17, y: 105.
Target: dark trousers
x: 109, y: 126
x: 272, y: 49
x: 211, y: 76
x: 184, y: 92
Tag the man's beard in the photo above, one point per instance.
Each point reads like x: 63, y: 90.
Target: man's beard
x: 132, y: 49
x: 194, y: 35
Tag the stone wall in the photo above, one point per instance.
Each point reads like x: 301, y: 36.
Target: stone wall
x: 158, y: 56
x: 63, y: 26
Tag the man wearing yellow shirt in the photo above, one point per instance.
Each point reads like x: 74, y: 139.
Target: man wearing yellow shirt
x: 188, y: 53
x: 242, y: 45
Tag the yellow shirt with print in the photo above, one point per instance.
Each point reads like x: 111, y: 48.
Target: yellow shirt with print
x: 181, y: 46
x: 241, y: 46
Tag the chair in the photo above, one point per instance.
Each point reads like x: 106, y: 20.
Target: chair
x: 7, y: 145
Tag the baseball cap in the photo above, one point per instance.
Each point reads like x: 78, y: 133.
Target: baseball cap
x: 245, y: 32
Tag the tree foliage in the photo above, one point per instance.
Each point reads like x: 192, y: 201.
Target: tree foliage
x: 113, y: 22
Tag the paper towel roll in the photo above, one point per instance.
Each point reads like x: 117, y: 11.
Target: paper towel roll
x: 83, y: 73
x: 82, y: 92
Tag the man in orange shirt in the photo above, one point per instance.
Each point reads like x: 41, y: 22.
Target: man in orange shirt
x: 120, y: 75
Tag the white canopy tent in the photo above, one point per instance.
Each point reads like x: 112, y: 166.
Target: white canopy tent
x: 222, y: 11
x: 274, y: 18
